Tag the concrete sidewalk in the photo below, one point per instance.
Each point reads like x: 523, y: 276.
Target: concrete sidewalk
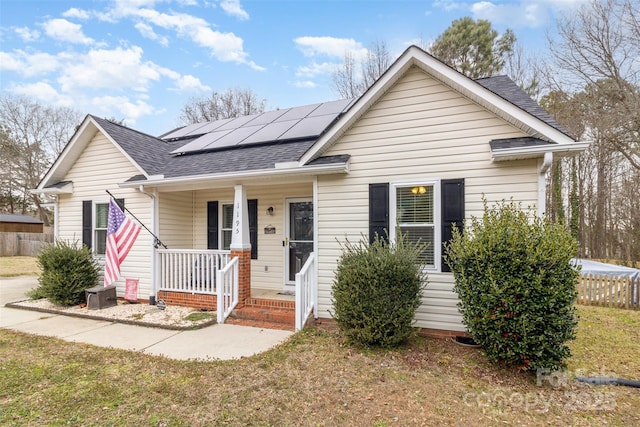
x: 221, y: 342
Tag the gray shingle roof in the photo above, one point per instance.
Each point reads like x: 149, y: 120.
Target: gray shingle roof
x: 148, y: 151
x: 506, y: 88
x: 529, y: 141
x: 19, y: 218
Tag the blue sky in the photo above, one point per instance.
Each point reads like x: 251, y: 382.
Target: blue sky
x: 142, y: 60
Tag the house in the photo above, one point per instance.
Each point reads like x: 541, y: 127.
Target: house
x: 255, y: 207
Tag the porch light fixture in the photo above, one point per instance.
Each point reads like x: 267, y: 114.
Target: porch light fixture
x: 270, y: 210
x: 419, y: 190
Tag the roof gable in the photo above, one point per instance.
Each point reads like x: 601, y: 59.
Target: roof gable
x: 520, y: 114
x: 132, y: 144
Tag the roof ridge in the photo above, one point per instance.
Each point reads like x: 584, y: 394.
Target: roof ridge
x: 100, y: 119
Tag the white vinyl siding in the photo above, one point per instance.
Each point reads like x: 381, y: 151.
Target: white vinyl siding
x: 419, y: 131
x: 101, y: 166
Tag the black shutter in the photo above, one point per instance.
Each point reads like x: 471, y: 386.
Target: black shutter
x: 212, y: 225
x: 87, y: 222
x: 252, y: 205
x: 452, y: 191
x: 378, y: 211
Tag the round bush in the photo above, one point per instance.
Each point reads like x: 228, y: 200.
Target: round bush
x: 516, y: 286
x: 376, y: 291
x: 67, y: 270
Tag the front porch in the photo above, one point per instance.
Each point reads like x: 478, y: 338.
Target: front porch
x: 214, y: 280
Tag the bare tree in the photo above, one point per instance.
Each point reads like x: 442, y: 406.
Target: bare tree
x: 32, y: 136
x: 356, y: 75
x: 222, y: 105
x: 524, y: 70
x: 600, y: 45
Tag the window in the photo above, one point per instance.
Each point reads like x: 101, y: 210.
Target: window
x: 100, y: 228
x: 416, y: 217
x: 226, y: 226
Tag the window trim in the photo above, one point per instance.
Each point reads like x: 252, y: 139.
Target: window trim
x: 94, y: 229
x: 221, y: 228
x: 437, y: 222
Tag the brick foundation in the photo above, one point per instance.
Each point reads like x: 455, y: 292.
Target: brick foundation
x: 244, y: 273
x: 184, y: 299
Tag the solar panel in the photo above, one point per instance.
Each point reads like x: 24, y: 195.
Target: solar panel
x: 270, y: 132
x: 211, y: 126
x: 310, y: 126
x: 333, y: 107
x: 202, y: 142
x: 238, y: 122
x: 298, y: 112
x: 184, y: 131
x: 234, y: 137
x: 268, y: 117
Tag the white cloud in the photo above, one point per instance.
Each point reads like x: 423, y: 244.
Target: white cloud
x: 147, y: 32
x: 27, y: 35
x: 76, y: 13
x: 28, y: 64
x: 233, y: 8
x: 329, y: 46
x: 315, y: 69
x: 447, y: 5
x: 131, y: 110
x: 42, y: 91
x: 63, y: 30
x: 190, y: 83
x: 527, y: 14
x: 224, y: 46
x: 304, y: 84
x: 117, y: 69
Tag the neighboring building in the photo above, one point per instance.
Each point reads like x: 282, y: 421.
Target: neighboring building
x: 419, y: 150
x: 20, y: 224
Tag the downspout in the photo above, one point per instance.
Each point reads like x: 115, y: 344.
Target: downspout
x: 154, y: 252
x: 316, y: 222
x: 542, y: 182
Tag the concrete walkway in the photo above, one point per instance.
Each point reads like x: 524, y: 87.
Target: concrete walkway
x: 221, y: 342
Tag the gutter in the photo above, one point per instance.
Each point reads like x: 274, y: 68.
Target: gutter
x: 234, y: 176
x: 532, y: 152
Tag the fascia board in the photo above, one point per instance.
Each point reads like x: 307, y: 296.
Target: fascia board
x: 234, y: 176
x: 532, y: 152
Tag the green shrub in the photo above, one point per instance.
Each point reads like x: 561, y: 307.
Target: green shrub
x: 377, y: 290
x: 67, y: 270
x: 516, y: 286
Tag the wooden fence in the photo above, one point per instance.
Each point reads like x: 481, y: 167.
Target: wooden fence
x: 23, y: 244
x: 621, y: 292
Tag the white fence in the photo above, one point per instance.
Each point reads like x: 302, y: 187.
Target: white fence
x: 191, y: 270
x: 228, y: 289
x: 604, y: 290
x: 306, y: 291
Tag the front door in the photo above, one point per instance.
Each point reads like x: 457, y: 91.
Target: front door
x: 299, y: 238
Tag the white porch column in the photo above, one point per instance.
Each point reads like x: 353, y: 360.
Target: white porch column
x: 240, y: 237
x: 241, y: 244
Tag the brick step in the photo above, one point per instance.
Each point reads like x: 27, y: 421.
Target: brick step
x: 270, y: 303
x: 264, y: 317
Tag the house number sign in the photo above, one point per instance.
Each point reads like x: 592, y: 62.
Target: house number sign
x: 269, y: 230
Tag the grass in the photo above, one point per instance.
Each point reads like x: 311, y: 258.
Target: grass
x: 199, y: 315
x: 18, y: 266
x: 316, y: 378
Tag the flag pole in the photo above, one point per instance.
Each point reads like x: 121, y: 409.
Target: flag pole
x: 157, y: 242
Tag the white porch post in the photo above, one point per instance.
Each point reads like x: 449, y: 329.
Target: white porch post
x: 241, y: 244
x: 240, y: 237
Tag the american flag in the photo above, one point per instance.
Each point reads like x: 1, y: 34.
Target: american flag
x: 121, y: 234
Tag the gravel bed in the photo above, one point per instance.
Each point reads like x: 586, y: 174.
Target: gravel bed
x: 171, y: 317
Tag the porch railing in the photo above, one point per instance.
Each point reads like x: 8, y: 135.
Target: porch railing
x: 228, y: 289
x: 306, y: 291
x: 191, y: 270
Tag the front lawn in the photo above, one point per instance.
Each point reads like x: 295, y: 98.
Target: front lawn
x: 317, y: 379
x: 19, y: 266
